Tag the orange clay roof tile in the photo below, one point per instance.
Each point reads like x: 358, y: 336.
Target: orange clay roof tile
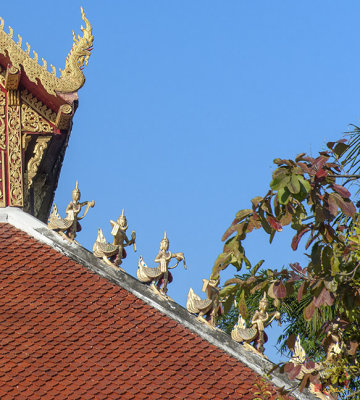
x: 67, y: 333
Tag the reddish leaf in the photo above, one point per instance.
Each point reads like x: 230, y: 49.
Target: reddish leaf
x: 324, y: 298
x: 296, y: 267
x: 304, y: 382
x: 300, y: 292
x: 305, y: 168
x: 353, y: 347
x: 315, y: 380
x: 346, y: 205
x: 332, y: 205
x: 322, y: 173
x: 329, y: 298
x: 297, y: 237
x: 310, y: 240
x: 309, y: 364
x: 234, y: 228
x: 288, y: 367
x: 294, y: 372
x: 309, y: 311
x: 279, y: 290
x: 291, y: 342
x: 319, y: 162
x: 341, y: 190
x: 274, y: 223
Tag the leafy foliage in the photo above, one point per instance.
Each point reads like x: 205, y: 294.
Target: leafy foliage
x: 321, y: 300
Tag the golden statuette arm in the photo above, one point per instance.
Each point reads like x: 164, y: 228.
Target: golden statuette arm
x: 88, y: 205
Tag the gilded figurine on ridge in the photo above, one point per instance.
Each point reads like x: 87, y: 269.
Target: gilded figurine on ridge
x: 159, y: 277
x: 113, y: 253
x: 210, y: 307
x: 256, y: 333
x: 69, y: 226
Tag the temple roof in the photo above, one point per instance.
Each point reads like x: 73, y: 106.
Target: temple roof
x: 73, y: 327
x: 36, y: 113
x: 71, y: 77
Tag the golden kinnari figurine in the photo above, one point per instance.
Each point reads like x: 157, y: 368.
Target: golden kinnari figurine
x: 209, y: 307
x: 256, y: 333
x: 159, y: 277
x: 69, y: 226
x: 113, y: 253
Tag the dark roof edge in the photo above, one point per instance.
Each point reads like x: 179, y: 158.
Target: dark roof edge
x: 38, y: 230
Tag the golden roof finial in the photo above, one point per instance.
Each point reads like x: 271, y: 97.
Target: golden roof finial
x: 72, y: 77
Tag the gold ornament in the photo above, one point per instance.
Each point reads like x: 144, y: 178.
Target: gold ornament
x: 113, y: 253
x: 67, y: 227
x: 209, y: 307
x: 38, y: 106
x: 159, y: 277
x: 71, y: 78
x: 2, y: 179
x: 256, y: 333
x: 31, y: 121
x: 15, y: 168
x: 34, y: 162
x: 2, y: 120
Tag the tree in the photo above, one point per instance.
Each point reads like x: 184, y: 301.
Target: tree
x: 322, y: 298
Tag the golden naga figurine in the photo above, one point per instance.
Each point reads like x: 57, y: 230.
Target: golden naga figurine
x: 210, y: 307
x: 256, y: 333
x: 113, y: 253
x: 159, y: 277
x: 69, y: 226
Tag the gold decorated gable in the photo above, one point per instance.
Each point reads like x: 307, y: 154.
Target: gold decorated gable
x: 71, y: 77
x: 36, y: 111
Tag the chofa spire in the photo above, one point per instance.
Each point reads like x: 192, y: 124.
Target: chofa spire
x: 71, y: 77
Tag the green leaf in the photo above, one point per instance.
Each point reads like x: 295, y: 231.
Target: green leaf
x: 228, y: 290
x: 335, y: 266
x: 240, y: 215
x: 305, y: 183
x: 283, y: 195
x: 228, y: 303
x: 294, y: 184
x: 326, y: 258
x: 257, y: 267
x: 316, y: 257
x: 340, y: 149
x: 242, y: 306
x: 281, y: 178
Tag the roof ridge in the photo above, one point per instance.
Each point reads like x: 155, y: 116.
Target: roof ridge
x: 39, y: 231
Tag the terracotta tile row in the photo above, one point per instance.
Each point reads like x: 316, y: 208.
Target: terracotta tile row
x: 67, y: 333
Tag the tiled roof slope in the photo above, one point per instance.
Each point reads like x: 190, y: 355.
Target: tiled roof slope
x: 68, y: 333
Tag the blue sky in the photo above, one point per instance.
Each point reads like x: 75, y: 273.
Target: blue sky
x: 187, y: 103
